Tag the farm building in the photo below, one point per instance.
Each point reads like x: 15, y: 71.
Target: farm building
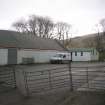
x: 17, y: 48
x: 84, y: 54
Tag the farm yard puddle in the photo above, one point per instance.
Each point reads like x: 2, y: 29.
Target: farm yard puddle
x: 58, y: 98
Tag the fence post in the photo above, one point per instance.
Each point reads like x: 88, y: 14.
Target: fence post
x: 50, y: 84
x: 14, y: 75
x: 70, y: 76
x: 87, y: 75
x: 26, y: 83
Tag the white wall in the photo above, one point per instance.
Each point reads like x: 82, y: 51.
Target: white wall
x: 86, y: 56
x: 40, y: 56
x: 95, y: 55
x: 3, y: 56
x: 43, y: 56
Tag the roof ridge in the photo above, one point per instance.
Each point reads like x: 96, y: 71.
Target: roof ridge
x: 19, y: 40
x: 60, y: 44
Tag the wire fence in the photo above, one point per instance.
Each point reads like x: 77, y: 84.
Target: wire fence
x: 41, y: 81
x: 88, y: 78
x: 74, y: 78
x: 56, y: 78
x: 7, y: 78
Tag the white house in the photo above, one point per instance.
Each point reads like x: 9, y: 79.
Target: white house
x: 84, y: 54
x: 17, y: 48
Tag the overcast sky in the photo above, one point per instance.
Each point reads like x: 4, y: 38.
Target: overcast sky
x: 82, y: 14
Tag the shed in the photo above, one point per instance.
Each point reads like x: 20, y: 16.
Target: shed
x: 84, y: 54
x: 18, y: 48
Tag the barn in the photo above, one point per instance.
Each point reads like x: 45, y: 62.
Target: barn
x: 18, y: 48
x: 84, y: 54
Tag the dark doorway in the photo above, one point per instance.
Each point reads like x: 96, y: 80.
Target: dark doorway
x: 12, y: 56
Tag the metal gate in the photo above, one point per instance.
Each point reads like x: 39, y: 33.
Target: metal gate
x: 75, y: 78
x: 91, y: 78
x: 47, y: 80
x: 7, y: 78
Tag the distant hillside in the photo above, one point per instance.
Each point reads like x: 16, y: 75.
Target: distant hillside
x: 86, y: 41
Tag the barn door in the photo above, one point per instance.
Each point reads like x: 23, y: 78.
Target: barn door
x: 12, y: 56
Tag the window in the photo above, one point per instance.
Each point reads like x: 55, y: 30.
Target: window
x: 81, y: 53
x: 75, y: 53
x: 64, y: 56
x: 93, y: 52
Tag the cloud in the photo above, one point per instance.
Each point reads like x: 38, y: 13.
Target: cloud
x: 83, y: 14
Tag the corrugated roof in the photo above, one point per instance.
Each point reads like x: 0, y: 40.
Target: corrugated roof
x: 18, y: 40
x: 81, y: 49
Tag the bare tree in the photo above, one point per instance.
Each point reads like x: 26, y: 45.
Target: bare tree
x: 45, y: 27
x: 62, y: 32
x: 41, y: 26
x: 68, y: 39
x: 21, y: 26
x: 36, y: 25
x: 100, y: 37
x: 102, y: 22
x: 33, y: 25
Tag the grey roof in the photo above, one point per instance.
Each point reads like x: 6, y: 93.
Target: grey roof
x: 14, y: 39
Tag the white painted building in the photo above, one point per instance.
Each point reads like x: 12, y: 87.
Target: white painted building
x: 42, y: 56
x: 17, y: 48
x: 84, y: 54
x: 3, y: 56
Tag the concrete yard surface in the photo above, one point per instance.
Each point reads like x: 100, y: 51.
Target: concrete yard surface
x: 85, y: 98
x: 58, y: 98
